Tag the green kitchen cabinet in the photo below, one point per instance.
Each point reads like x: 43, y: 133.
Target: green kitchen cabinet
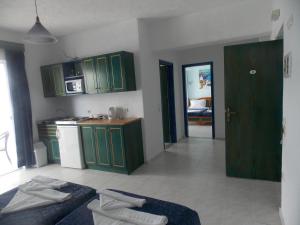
x: 122, y: 71
x: 103, y: 74
x: 87, y: 134
x: 102, y: 146
x: 90, y: 79
x: 53, y: 80
x: 116, y: 148
x: 47, y: 134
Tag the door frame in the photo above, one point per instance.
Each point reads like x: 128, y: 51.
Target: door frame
x: 186, y: 129
x: 173, y: 131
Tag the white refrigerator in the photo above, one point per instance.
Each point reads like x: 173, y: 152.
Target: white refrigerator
x: 70, y: 148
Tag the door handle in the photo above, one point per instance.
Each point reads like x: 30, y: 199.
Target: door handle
x: 229, y: 113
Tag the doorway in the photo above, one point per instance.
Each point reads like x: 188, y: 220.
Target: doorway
x: 198, y: 95
x: 167, y: 102
x: 8, y: 157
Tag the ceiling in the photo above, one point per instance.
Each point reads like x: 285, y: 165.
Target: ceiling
x: 63, y: 17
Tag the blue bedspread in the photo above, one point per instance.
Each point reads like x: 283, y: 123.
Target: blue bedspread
x: 46, y: 215
x: 177, y: 214
x: 200, y: 112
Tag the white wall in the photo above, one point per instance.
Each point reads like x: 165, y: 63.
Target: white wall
x: 245, y: 19
x: 290, y: 200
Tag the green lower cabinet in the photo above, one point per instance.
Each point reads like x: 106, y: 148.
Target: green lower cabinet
x: 117, y: 147
x: 88, y: 143
x: 113, y: 148
x: 54, y: 146
x: 102, y: 146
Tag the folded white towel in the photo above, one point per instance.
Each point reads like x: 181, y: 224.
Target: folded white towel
x: 107, y: 203
x: 22, y: 201
x: 128, y: 215
x: 133, y: 202
x: 103, y: 220
x: 53, y: 183
x: 44, y: 191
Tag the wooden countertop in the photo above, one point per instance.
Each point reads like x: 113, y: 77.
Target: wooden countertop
x: 108, y: 122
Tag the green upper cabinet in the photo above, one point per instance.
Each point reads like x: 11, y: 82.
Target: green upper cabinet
x: 122, y: 71
x: 107, y: 73
x: 103, y: 75
x: 53, y: 80
x: 90, y: 79
x: 102, y: 146
x: 87, y: 134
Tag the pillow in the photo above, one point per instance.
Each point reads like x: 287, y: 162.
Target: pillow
x: 198, y: 103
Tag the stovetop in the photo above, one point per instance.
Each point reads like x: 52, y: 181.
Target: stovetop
x: 70, y: 120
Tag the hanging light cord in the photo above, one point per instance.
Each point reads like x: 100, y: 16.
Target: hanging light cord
x: 36, y: 10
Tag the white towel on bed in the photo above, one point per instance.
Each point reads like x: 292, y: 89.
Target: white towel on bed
x: 113, y: 200
x: 22, y: 201
x: 33, y: 194
x: 126, y: 215
x: 53, y: 183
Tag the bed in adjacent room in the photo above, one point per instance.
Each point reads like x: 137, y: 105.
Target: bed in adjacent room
x: 199, y: 111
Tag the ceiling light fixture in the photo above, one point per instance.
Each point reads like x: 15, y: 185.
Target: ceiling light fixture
x: 38, y: 34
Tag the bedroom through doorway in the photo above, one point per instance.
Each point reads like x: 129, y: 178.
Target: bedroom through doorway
x: 198, y: 96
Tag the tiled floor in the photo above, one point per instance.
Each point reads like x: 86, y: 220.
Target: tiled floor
x: 190, y: 173
x: 200, y: 131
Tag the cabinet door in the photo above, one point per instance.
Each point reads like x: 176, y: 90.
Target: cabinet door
x: 48, y: 81
x: 117, y: 147
x: 118, y: 82
x: 102, y: 146
x: 89, y: 76
x: 53, y: 143
x: 103, y: 76
x: 57, y: 74
x: 88, y: 143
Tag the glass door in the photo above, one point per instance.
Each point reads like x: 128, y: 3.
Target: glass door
x: 8, y: 156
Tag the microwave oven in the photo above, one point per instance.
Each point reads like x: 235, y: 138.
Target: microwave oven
x: 74, y: 86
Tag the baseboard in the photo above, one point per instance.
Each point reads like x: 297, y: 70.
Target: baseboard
x: 281, y: 216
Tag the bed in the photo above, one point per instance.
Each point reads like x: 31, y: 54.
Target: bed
x: 177, y: 214
x: 199, y: 111
x: 46, y: 215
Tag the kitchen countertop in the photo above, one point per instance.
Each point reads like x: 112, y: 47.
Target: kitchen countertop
x: 108, y: 122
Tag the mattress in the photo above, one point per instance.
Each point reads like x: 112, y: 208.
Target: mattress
x: 204, y: 112
x: 46, y: 215
x: 177, y: 214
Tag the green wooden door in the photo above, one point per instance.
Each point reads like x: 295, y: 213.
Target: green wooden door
x: 87, y: 133
x: 103, y: 75
x: 48, y: 81
x: 89, y: 76
x: 118, y: 82
x: 57, y: 74
x: 253, y: 102
x: 165, y: 103
x: 102, y: 146
x: 117, y: 147
x: 54, y: 146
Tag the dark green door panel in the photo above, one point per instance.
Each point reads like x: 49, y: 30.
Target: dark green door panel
x: 53, y: 142
x: 117, y: 73
x: 165, y: 103
x: 103, y: 75
x: 88, y: 142
x: 57, y: 74
x: 102, y: 146
x: 117, y: 147
x: 89, y: 76
x: 253, y: 90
